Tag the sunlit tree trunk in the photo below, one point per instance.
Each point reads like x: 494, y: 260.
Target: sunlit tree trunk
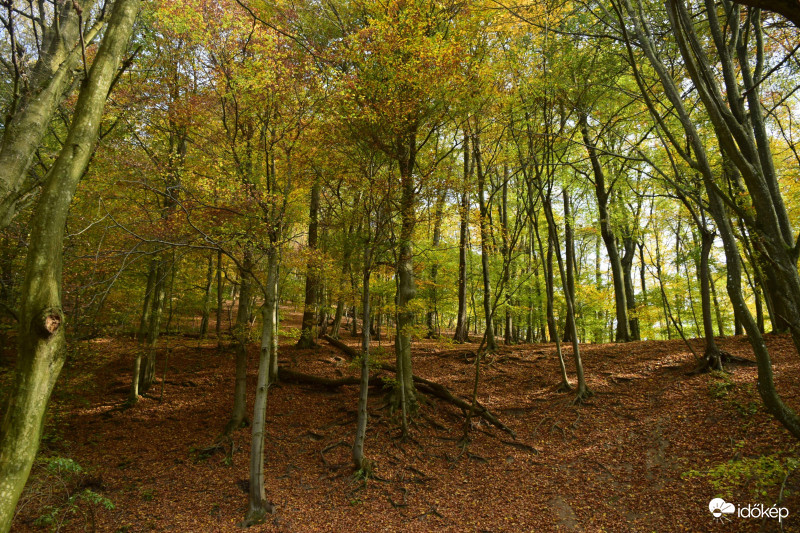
x: 258, y: 505
x: 36, y: 97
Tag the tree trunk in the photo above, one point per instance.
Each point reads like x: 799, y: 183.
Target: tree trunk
x: 569, y: 245
x: 218, y: 325
x: 258, y: 505
x: 462, y: 327
x: 508, y: 337
x: 241, y: 333
x: 312, y: 272
x: 629, y: 252
x: 141, y: 336
x: 363, y: 395
x: 40, y: 336
x: 273, y: 354
x: 207, y: 298
x: 432, y: 319
x: 583, y: 392
x: 602, y: 195
x: 147, y: 371
x: 550, y: 293
x: 47, y: 85
x: 491, y: 344
x: 712, y: 353
x: 405, y: 395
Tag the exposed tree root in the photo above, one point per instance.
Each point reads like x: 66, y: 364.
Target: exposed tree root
x: 718, y: 360
x: 564, y: 387
x: 431, y: 388
x: 582, y: 397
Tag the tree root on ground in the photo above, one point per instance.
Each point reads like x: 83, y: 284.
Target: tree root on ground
x: 718, y: 361
x: 423, y: 385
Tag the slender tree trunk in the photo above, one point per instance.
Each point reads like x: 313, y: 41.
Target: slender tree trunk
x: 258, y: 505
x: 462, y: 327
x: 602, y: 194
x: 550, y: 292
x: 508, y: 337
x: 712, y: 354
x: 312, y: 272
x: 363, y: 395
x: 40, y: 336
x: 241, y: 333
x: 207, y: 298
x: 147, y: 371
x: 717, y: 310
x: 432, y: 318
x: 583, y: 392
x: 148, y: 301
x: 273, y: 354
x: 218, y: 325
x: 491, y: 344
x: 173, y: 268
x: 629, y: 252
x: 569, y: 288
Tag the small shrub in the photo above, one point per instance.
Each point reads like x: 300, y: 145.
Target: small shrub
x: 760, y: 475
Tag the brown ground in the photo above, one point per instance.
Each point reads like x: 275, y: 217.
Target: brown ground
x: 613, y: 464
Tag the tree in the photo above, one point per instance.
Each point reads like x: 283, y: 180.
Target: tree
x: 41, y: 336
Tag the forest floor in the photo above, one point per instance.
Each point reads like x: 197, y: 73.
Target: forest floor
x: 620, y: 462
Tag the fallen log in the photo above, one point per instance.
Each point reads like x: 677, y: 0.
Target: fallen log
x: 347, y: 350
x: 429, y: 387
x: 290, y: 376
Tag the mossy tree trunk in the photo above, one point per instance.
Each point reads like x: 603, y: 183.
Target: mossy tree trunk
x: 40, y: 336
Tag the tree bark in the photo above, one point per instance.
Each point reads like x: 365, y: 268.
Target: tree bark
x: 363, y: 395
x: 258, y: 505
x: 405, y: 395
x: 491, y: 344
x: 141, y: 335
x: 44, y: 90
x: 629, y: 252
x: 312, y: 272
x: 241, y: 333
x: 602, y: 195
x: 218, y: 325
x: 432, y: 319
x: 462, y: 326
x: 207, y: 298
x: 40, y: 337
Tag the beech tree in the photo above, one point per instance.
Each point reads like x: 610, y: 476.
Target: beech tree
x: 41, y: 317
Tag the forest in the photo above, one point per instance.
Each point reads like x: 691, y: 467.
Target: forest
x: 399, y: 265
